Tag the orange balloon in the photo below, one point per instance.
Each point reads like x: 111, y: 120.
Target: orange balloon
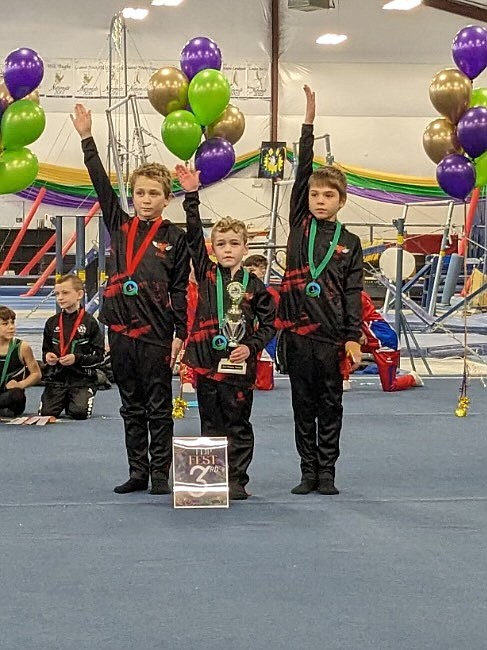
x: 440, y: 139
x: 450, y: 93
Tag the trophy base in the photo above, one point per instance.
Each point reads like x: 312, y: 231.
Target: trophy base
x: 226, y: 366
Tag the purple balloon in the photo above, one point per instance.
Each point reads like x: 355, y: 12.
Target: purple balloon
x: 23, y: 72
x: 199, y: 54
x: 214, y: 159
x: 469, y: 50
x: 472, y: 131
x: 456, y: 176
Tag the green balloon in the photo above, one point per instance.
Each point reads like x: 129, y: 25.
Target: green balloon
x: 479, y: 97
x: 18, y: 170
x: 22, y: 123
x: 208, y: 94
x: 481, y: 170
x: 181, y: 134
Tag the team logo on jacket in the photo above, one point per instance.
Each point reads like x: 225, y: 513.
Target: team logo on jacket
x: 341, y: 250
x: 82, y: 329
x: 162, y: 247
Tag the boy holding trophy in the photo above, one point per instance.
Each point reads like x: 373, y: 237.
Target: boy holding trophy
x: 320, y: 311
x: 234, y: 321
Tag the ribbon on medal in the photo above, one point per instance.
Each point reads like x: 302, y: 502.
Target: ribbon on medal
x: 313, y: 289
x: 130, y: 287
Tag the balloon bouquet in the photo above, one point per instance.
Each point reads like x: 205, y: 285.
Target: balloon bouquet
x: 194, y: 101
x: 22, y: 119
x: 457, y: 142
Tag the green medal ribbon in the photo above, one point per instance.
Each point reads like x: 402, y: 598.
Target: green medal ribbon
x: 219, y: 341
x: 313, y: 289
x: 11, y: 348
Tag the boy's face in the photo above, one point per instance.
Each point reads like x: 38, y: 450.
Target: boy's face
x: 149, y: 198
x: 229, y: 248
x: 68, y: 298
x: 7, y: 329
x: 258, y: 270
x: 324, y: 202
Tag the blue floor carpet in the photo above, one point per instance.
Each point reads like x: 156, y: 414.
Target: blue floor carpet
x: 396, y: 561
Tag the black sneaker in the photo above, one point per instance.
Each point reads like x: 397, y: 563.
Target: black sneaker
x: 238, y: 493
x: 327, y: 486
x: 160, y: 486
x: 306, y: 486
x: 132, y: 485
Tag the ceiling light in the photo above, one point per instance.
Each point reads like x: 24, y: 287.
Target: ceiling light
x: 134, y: 14
x: 331, y: 39
x: 402, y: 5
x: 166, y: 3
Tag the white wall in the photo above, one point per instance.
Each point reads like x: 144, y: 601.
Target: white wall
x: 374, y: 112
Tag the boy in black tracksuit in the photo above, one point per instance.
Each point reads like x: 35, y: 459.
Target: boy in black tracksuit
x: 144, y: 306
x: 319, y: 311
x: 224, y: 400
x: 72, y: 348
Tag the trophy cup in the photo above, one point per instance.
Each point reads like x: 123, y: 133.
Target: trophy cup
x: 233, y: 329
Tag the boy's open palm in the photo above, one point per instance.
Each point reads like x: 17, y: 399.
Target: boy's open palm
x: 188, y: 178
x: 310, y: 105
x: 82, y: 121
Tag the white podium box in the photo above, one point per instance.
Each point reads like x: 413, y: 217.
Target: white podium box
x: 200, y: 472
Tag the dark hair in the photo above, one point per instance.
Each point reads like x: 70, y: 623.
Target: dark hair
x: 256, y: 260
x: 156, y: 172
x: 6, y: 313
x: 75, y: 280
x: 331, y: 176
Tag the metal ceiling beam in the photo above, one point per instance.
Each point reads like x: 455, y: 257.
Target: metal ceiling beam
x: 460, y: 8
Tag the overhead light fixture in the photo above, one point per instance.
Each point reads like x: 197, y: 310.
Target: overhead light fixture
x: 402, y: 5
x: 331, y: 39
x: 166, y: 3
x: 134, y: 14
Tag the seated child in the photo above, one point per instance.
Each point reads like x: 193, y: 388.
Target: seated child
x: 18, y: 367
x: 380, y: 339
x: 73, y: 348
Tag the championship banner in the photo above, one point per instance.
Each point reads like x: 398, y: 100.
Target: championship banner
x: 200, y: 472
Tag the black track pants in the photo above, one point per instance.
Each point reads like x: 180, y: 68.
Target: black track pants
x: 143, y: 376
x: 225, y: 411
x: 316, y: 390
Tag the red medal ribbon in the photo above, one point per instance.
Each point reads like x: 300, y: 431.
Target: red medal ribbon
x: 133, y: 262
x: 63, y: 347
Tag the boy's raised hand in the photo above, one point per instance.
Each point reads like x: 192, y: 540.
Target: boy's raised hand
x: 310, y: 113
x: 82, y: 121
x: 188, y: 178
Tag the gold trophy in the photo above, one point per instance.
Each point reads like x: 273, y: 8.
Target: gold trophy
x: 234, y: 329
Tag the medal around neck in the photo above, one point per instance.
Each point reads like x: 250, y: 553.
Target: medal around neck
x: 233, y: 329
x: 130, y: 288
x: 313, y: 289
